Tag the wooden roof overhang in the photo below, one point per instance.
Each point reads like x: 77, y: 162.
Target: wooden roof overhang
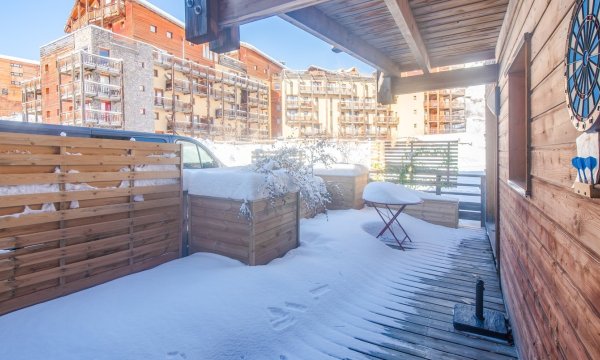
x: 395, y: 36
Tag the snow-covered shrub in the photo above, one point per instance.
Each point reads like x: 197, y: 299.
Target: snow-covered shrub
x: 293, y: 165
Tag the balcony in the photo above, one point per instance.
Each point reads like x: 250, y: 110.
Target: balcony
x: 386, y: 120
x: 299, y: 119
x: 33, y: 106
x: 91, y: 62
x: 353, y: 119
x: 258, y: 118
x: 182, y: 106
x: 97, y: 15
x: 231, y: 114
x: 180, y: 86
x: 199, y: 89
x: 164, y: 103
x: 163, y: 60
x: 308, y: 89
x: 32, y: 86
x: 232, y: 63
x: 93, y: 117
x: 358, y: 104
x: 93, y: 90
x: 182, y: 66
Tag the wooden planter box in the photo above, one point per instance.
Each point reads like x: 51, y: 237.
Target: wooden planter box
x: 438, y: 210
x: 217, y: 226
x: 345, y: 183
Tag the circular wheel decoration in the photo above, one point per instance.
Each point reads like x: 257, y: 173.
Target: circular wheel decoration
x: 582, y: 62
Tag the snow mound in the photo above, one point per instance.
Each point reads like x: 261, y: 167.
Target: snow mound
x: 389, y: 193
x: 341, y: 170
x: 238, y: 183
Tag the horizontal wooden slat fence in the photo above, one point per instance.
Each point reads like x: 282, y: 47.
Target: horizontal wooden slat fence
x: 77, y: 212
x: 421, y: 162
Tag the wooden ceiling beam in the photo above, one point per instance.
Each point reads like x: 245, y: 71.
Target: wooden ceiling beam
x: 236, y: 12
x: 405, y: 20
x: 325, y: 28
x: 459, y: 78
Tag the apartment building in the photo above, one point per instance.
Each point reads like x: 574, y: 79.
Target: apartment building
x: 339, y: 104
x: 445, y: 111
x: 126, y: 64
x: 13, y: 72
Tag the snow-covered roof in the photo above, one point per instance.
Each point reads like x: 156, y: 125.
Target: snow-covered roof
x: 14, y: 58
x: 262, y: 53
x: 161, y: 12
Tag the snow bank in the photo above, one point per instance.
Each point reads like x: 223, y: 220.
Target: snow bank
x: 239, y: 183
x: 389, y: 193
x: 341, y: 170
x: 311, y: 304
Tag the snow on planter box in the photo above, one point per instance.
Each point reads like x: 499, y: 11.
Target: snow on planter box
x: 233, y: 214
x: 345, y: 183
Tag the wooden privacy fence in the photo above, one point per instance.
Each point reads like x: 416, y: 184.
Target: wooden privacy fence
x: 421, y: 162
x: 76, y: 212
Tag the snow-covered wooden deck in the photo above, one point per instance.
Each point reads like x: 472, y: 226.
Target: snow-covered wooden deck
x: 419, y: 325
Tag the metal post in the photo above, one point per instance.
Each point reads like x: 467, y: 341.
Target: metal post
x: 438, y: 184
x: 482, y: 189
x: 479, y: 300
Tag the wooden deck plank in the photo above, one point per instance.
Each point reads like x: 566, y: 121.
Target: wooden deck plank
x: 417, y: 315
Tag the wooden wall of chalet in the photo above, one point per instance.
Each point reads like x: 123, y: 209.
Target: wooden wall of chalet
x: 550, y: 242
x: 96, y: 227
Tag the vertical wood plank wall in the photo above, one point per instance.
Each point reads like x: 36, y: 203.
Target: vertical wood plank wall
x: 96, y: 227
x: 550, y: 243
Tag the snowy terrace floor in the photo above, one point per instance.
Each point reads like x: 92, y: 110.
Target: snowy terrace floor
x: 418, y: 321
x: 343, y: 294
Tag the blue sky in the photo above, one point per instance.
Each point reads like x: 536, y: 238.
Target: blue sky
x: 25, y: 25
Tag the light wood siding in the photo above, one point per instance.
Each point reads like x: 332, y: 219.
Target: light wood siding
x: 217, y: 226
x: 346, y: 191
x: 436, y: 211
x: 95, y: 233
x: 550, y: 242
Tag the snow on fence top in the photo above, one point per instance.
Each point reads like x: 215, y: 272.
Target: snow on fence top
x: 389, y: 193
x: 341, y: 170
x: 238, y: 183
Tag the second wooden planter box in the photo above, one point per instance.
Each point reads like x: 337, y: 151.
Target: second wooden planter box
x: 217, y: 226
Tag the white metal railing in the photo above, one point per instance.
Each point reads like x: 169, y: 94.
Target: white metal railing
x: 386, y: 120
x: 93, y: 117
x: 353, y: 119
x: 165, y: 103
x: 162, y: 59
x: 90, y: 61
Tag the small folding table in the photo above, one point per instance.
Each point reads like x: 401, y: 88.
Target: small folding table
x: 389, y: 200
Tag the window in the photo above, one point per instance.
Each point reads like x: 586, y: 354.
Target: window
x: 155, y: 73
x: 414, y: 97
x: 16, y: 65
x: 4, y: 91
x: 415, y: 111
x: 277, y: 86
x: 46, y: 68
x: 142, y: 88
x: 155, y: 116
x: 47, y: 113
x: 47, y: 91
x: 104, y: 52
x: 142, y: 111
x: 14, y: 82
x: 153, y: 28
x: 169, y: 34
x: 142, y: 64
x: 255, y: 67
x: 518, y: 119
x: 190, y: 155
x: 16, y: 74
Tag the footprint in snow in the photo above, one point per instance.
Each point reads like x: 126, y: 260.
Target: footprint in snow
x: 319, y: 291
x: 175, y: 355
x: 280, y: 318
x: 295, y: 307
